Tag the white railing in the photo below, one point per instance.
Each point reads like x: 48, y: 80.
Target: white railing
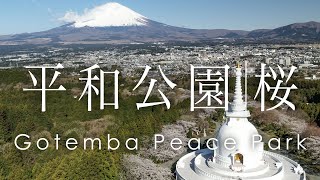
x: 287, y: 159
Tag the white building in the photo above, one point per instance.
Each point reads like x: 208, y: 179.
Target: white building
x: 243, y: 161
x: 268, y: 60
x: 281, y: 61
x: 287, y: 61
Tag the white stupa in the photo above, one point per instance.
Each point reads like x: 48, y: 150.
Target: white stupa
x: 243, y: 161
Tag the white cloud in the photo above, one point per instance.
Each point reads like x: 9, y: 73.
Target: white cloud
x: 70, y: 16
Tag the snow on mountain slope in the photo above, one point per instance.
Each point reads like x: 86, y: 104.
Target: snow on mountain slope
x: 106, y: 15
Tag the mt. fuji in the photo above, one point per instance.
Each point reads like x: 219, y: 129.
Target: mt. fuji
x: 109, y: 14
x: 113, y: 23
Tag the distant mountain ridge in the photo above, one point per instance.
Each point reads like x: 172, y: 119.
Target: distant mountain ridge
x: 117, y: 24
x: 297, y: 31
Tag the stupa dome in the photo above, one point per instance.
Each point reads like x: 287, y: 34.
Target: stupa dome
x: 242, y: 132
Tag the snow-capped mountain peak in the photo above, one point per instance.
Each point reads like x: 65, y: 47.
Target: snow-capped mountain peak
x: 106, y: 15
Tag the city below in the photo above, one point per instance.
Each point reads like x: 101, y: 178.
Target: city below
x: 175, y: 59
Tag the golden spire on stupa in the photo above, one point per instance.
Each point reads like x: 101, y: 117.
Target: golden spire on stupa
x: 238, y: 64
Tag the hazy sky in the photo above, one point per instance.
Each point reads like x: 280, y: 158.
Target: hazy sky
x: 18, y: 16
